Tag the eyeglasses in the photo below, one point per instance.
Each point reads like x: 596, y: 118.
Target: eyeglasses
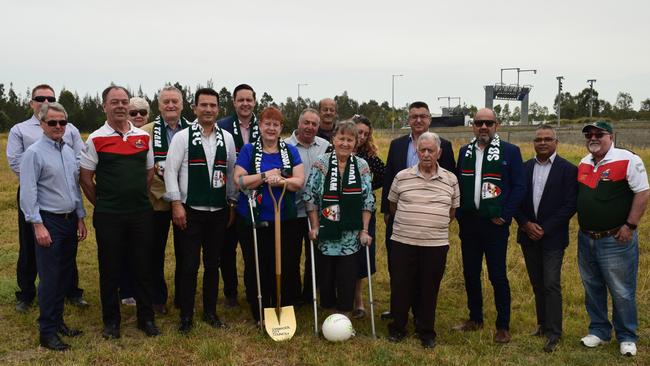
x: 598, y: 135
x: 54, y: 122
x: 538, y: 140
x: 488, y: 123
x: 42, y: 99
x: 142, y: 112
x: 423, y: 117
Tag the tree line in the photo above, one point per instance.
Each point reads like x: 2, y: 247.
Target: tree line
x: 87, y: 113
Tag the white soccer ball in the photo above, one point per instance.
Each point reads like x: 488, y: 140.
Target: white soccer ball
x: 337, y: 328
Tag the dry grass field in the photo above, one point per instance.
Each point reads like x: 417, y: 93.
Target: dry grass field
x: 243, y: 344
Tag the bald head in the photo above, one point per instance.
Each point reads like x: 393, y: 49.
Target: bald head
x: 485, y: 114
x: 327, y: 112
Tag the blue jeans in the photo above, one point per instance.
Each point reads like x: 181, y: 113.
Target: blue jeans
x: 605, y: 264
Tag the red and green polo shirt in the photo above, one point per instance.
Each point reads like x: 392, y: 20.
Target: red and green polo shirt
x: 120, y: 162
x: 606, y: 189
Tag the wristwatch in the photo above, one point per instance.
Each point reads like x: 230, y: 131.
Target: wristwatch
x: 631, y: 226
x: 263, y: 175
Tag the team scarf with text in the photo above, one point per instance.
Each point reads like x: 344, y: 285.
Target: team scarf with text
x: 342, y: 201
x: 236, y: 132
x: 288, y: 203
x: 491, y: 180
x: 203, y: 190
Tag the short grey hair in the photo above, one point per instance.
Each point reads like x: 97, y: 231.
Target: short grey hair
x: 431, y: 136
x: 308, y: 110
x: 545, y: 126
x: 139, y: 103
x: 170, y: 88
x: 55, y: 106
x: 347, y: 126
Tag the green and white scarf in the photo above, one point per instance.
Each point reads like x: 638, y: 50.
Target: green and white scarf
x: 288, y: 203
x: 491, y: 180
x: 237, y: 135
x: 203, y: 190
x: 160, y: 143
x: 342, y: 200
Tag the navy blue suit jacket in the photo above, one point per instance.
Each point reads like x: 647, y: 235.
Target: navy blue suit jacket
x: 512, y: 178
x: 557, y: 206
x: 396, y: 162
x: 226, y: 123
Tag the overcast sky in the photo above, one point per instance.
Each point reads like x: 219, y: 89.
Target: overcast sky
x: 443, y: 48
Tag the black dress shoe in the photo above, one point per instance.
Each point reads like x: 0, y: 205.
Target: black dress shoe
x: 185, y: 326
x: 386, y: 315
x: 22, y: 306
x: 395, y: 337
x: 213, y: 320
x: 160, y: 309
x: 551, y: 344
x: 78, y: 302
x: 428, y: 342
x: 54, y: 343
x: 149, y: 328
x: 111, y: 331
x: 68, y: 332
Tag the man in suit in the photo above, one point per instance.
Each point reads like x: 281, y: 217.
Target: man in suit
x: 543, y: 218
x: 402, y: 154
x: 243, y: 127
x: 492, y: 186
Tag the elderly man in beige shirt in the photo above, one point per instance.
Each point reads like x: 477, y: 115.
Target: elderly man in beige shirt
x: 423, y: 200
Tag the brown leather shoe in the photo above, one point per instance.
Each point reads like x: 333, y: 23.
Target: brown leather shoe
x: 468, y: 326
x: 502, y: 336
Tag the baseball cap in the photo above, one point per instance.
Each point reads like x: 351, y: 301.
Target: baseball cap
x: 601, y: 125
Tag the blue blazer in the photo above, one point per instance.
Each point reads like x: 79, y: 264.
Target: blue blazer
x: 396, y: 162
x: 557, y: 206
x: 512, y: 176
x: 226, y: 123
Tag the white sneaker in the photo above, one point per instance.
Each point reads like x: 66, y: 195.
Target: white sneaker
x: 129, y: 301
x: 592, y: 341
x: 628, y: 348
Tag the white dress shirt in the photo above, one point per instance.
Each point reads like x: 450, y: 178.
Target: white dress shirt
x: 540, y: 175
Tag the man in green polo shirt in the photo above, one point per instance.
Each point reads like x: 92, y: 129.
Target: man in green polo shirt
x: 612, y: 197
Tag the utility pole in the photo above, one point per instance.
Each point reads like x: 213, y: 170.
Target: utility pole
x: 591, y: 97
x: 392, y: 100
x: 299, y: 85
x: 559, y: 97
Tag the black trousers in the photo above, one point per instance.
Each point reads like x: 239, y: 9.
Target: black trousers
x: 544, y: 268
x: 290, y: 266
x: 416, y: 268
x: 415, y: 295
x: 120, y: 235
x: 337, y: 276
x: 55, y: 267
x: 480, y: 237
x: 26, y: 270
x: 228, y: 262
x: 161, y: 223
x: 205, y: 231
x: 303, y: 236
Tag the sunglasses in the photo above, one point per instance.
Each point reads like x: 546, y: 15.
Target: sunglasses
x: 598, y: 135
x: 42, y: 99
x: 487, y: 123
x: 142, y: 112
x: 543, y: 139
x: 54, y: 122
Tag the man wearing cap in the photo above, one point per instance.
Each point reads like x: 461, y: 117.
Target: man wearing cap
x: 161, y: 131
x: 543, y: 219
x: 491, y: 179
x: 612, y: 196
x: 51, y: 201
x: 244, y: 129
x: 21, y: 136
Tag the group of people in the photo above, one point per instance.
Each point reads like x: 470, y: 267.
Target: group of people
x: 219, y: 183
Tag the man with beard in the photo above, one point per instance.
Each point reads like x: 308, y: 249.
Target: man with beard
x: 612, y: 197
x: 491, y: 178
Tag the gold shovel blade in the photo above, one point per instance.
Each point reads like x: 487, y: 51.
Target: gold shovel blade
x: 282, y: 328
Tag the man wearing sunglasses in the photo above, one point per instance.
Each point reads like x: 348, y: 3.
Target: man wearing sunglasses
x: 21, y: 136
x: 491, y: 179
x: 543, y: 218
x: 51, y: 201
x: 612, y: 197
x: 161, y: 132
